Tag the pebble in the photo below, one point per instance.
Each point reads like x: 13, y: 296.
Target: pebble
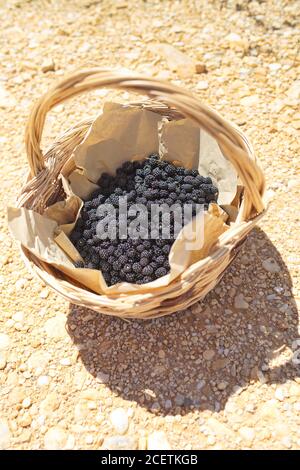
x: 55, y: 327
x: 89, y: 439
x: 102, y: 377
x: 279, y: 394
x: 3, y: 361
x: 4, y: 434
x: 202, y: 85
x: 48, y: 65
x: 161, y: 354
x: 4, y: 341
x: 43, y: 380
x: 119, y: 420
x: 157, y: 440
x: 220, y: 363
x: 271, y: 265
x: 120, y: 443
x: 249, y: 100
x: 222, y: 385
x: 247, y: 433
x: 179, y: 399
x: 55, y: 439
x: 50, y: 403
x: 6, y: 98
x: 200, y: 68
x: 235, y: 41
x: 25, y: 420
x: 65, y: 361
x: 208, y: 354
x: 38, y: 359
x: 240, y: 302
x: 26, y: 403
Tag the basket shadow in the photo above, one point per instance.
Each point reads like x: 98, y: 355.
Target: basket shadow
x: 198, y: 358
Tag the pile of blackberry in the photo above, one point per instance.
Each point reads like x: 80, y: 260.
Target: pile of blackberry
x: 143, y: 182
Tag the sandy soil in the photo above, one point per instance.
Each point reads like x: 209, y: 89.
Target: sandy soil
x: 222, y: 374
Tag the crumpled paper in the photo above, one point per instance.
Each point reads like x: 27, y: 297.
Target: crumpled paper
x: 119, y: 134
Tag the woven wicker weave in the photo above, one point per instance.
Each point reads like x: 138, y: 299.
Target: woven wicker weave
x: 44, y: 188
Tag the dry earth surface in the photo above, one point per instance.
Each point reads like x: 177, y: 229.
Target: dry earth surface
x: 222, y: 374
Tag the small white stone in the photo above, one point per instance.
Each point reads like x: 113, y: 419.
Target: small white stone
x: 202, y: 85
x: 18, y: 317
x: 119, y: 420
x: 247, y: 433
x: 120, y: 443
x: 279, y: 394
x: 56, y: 438
x: 4, y: 341
x: 26, y: 403
x: 43, y: 380
x: 89, y: 439
x: 287, y: 442
x: 4, y: 434
x: 274, y: 67
x: 6, y: 98
x: 65, y: 361
x: 56, y: 327
x: 3, y: 360
x: 157, y: 440
x: 48, y: 65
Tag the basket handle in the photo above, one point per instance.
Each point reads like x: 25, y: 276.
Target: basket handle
x: 231, y: 140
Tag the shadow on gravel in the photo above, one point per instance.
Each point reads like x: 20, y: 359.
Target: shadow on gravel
x: 197, y: 358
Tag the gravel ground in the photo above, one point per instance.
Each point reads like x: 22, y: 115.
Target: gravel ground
x: 222, y: 374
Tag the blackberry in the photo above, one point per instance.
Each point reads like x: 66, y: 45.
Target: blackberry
x: 127, y: 268
x: 163, y: 193
x: 147, y: 270
x: 117, y: 265
x: 80, y: 244
x: 144, y: 262
x: 156, y: 172
x: 188, y: 179
x: 123, y: 259
x: 160, y: 272
x: 207, y: 180
x: 187, y: 188
x: 154, y: 157
x: 131, y: 253
x: 145, y: 254
x: 160, y: 260
x: 166, y: 249
x: 87, y: 234
x: 79, y: 264
x: 137, y: 268
x: 130, y: 277
x: 114, y: 280
x: 75, y: 236
x: 173, y: 196
x: 104, y: 265
x: 146, y: 279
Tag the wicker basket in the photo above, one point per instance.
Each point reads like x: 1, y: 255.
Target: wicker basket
x: 44, y: 188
